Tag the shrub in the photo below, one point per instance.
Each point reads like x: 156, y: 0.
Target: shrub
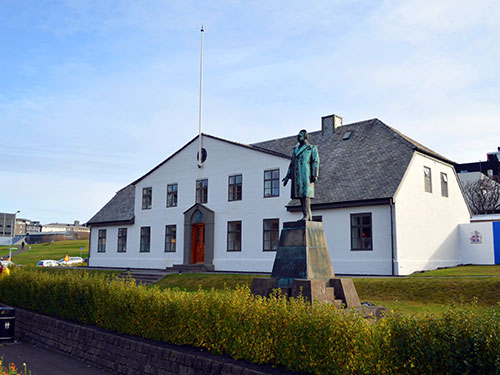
x: 306, y: 338
x: 461, y: 341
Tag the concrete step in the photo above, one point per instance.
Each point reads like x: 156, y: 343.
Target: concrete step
x: 190, y: 268
x: 142, y: 277
x: 330, y: 294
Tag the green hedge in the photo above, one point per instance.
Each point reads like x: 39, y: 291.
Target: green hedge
x: 308, y: 339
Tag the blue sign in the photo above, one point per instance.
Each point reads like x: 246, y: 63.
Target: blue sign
x: 496, y: 241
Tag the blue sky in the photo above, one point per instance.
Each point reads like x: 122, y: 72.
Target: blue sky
x: 93, y: 94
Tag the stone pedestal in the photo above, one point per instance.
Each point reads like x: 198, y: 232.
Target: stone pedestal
x: 303, y: 267
x: 302, y: 253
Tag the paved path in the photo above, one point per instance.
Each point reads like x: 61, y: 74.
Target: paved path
x: 43, y: 362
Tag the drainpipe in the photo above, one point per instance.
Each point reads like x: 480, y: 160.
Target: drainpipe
x: 90, y: 244
x: 391, y: 206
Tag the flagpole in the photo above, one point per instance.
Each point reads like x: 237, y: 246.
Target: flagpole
x: 200, y: 141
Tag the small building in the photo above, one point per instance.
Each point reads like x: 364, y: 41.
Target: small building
x: 12, y: 229
x: 480, y: 240
x: 60, y: 227
x: 25, y: 226
x: 7, y: 225
x: 490, y: 167
x: 389, y: 205
x: 481, y: 182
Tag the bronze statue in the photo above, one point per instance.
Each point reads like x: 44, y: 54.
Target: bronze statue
x: 303, y: 171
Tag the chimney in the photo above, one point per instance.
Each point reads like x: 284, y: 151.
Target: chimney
x: 330, y: 123
x: 491, y: 156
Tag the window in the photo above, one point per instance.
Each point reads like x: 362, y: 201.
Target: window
x: 101, y: 241
x: 122, y: 240
x: 170, y: 238
x: 347, y: 135
x: 172, y: 195
x: 271, y: 237
x: 235, y: 188
x: 202, y: 191
x: 145, y: 239
x: 361, y: 231
x: 147, y: 197
x: 272, y: 183
x: 234, y: 236
x: 427, y: 180
x: 444, y: 184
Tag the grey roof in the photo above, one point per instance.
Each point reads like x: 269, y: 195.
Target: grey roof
x: 119, y: 209
x: 368, y: 166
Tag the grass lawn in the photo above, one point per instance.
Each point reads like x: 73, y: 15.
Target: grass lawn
x: 54, y: 250
x: 194, y: 281
x: 429, y: 292
x: 404, y: 294
x: 461, y: 271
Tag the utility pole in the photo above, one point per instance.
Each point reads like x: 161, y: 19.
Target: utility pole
x: 13, y: 233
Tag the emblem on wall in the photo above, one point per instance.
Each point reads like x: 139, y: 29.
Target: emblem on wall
x: 476, y: 237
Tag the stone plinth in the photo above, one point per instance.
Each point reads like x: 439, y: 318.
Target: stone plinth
x: 302, y: 254
x: 303, y: 267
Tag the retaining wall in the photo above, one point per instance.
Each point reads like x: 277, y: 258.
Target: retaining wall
x: 121, y: 354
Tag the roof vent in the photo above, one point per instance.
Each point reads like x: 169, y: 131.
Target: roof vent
x: 330, y: 123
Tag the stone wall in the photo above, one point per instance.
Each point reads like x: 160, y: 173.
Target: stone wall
x: 121, y: 354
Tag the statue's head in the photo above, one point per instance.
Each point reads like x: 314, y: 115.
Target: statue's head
x: 302, y: 136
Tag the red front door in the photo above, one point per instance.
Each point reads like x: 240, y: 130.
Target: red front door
x: 198, y: 244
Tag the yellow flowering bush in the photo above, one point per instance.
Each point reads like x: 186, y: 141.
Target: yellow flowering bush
x: 315, y: 339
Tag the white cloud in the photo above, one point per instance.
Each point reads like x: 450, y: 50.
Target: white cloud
x: 420, y: 21
x: 127, y: 96
x: 54, y: 198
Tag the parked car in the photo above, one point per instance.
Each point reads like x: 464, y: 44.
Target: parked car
x: 70, y: 262
x: 47, y: 263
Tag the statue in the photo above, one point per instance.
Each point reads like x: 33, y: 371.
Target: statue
x: 302, y: 265
x: 303, y: 171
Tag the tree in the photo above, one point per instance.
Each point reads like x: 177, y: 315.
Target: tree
x: 483, y: 195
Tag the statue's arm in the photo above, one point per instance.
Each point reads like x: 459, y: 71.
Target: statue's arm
x: 289, y: 173
x: 314, y: 164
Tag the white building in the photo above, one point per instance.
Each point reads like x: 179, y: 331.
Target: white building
x: 388, y: 204
x: 62, y: 228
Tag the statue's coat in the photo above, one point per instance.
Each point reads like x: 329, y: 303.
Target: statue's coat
x: 304, y: 165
